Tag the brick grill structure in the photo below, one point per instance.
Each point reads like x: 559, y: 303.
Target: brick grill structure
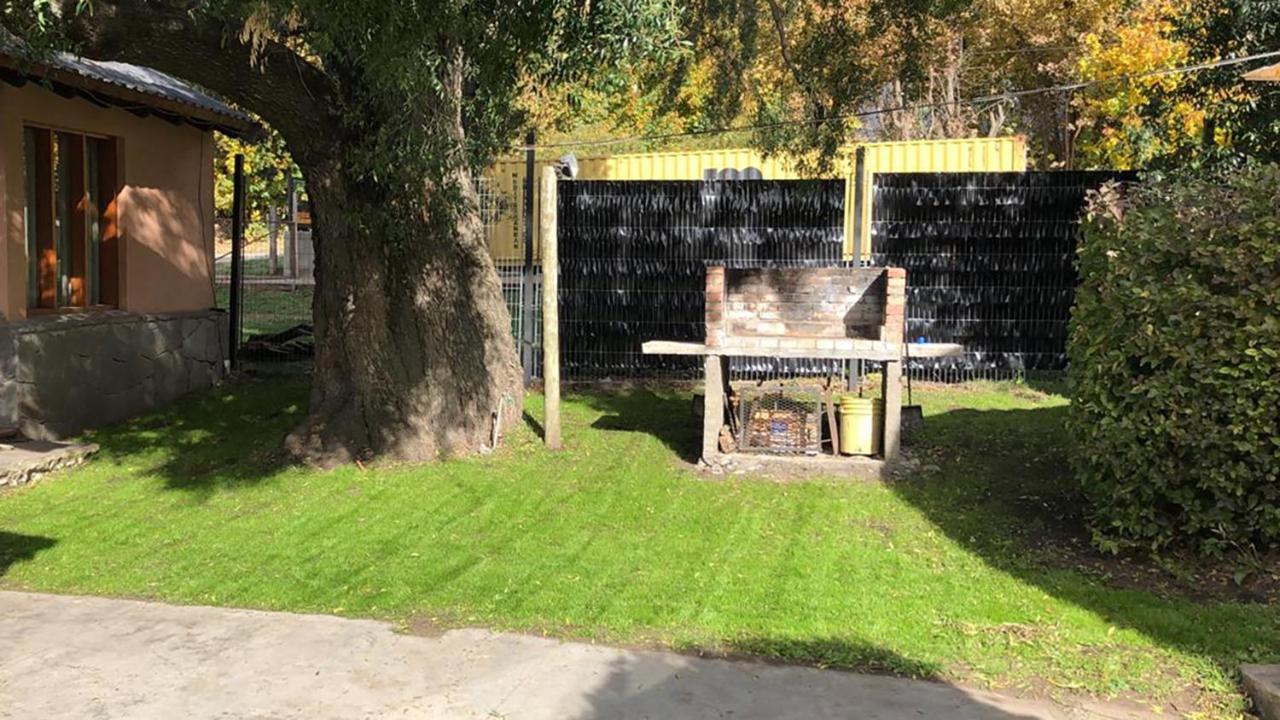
x: 836, y: 313
x: 798, y: 309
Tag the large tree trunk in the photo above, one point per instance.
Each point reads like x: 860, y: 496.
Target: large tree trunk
x: 414, y: 354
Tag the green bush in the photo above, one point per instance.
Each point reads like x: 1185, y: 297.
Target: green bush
x: 1175, y: 362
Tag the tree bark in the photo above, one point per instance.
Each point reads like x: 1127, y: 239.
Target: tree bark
x: 414, y: 354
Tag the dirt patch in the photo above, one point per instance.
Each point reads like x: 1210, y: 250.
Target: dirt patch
x: 1183, y: 704
x: 787, y: 468
x: 427, y: 626
x: 1239, y: 578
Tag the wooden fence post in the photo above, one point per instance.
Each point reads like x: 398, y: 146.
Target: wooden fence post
x: 550, y: 310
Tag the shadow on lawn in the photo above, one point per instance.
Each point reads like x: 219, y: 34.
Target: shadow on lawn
x: 217, y: 440
x: 15, y: 547
x: 1005, y: 491
x: 660, y: 685
x: 535, y: 425
x: 667, y: 416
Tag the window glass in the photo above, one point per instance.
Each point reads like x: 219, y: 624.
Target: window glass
x: 93, y: 227
x: 29, y: 216
x: 70, y: 193
x: 62, y: 215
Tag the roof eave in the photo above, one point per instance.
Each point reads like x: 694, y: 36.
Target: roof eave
x: 197, y: 116
x: 1268, y: 73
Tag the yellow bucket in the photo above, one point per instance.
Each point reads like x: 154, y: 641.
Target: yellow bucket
x: 861, y: 423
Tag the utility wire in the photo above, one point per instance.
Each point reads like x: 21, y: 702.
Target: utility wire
x: 1017, y: 51
x: 1010, y: 95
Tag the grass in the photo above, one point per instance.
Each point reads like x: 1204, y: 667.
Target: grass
x: 946, y: 573
x: 270, y: 308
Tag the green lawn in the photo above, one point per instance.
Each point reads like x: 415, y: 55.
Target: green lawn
x: 955, y: 572
x: 270, y: 308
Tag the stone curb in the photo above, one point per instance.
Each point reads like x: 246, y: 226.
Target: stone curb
x: 1262, y: 682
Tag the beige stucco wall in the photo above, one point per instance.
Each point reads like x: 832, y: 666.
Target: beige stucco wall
x: 166, y: 209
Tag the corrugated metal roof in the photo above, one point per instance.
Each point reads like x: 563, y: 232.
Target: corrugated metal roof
x: 148, y: 81
x: 135, y: 78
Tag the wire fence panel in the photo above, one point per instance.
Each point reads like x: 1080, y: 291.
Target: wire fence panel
x: 276, y: 287
x: 278, y: 280
x: 990, y: 261
x: 633, y: 257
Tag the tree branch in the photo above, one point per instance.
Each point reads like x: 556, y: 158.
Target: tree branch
x: 275, y: 83
x: 780, y: 25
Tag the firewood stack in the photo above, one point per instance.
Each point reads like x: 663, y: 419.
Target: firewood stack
x: 779, y: 423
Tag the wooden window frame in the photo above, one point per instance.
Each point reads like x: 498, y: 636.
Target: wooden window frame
x: 73, y: 216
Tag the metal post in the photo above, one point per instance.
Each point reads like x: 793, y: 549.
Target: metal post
x: 859, y: 189
x: 273, y: 231
x: 237, y: 259
x: 853, y: 369
x: 291, y: 252
x: 526, y: 278
x: 550, y: 310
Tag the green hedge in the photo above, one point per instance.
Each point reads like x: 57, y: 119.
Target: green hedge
x: 1175, y: 362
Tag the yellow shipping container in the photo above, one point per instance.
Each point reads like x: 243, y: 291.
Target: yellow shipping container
x: 504, y: 183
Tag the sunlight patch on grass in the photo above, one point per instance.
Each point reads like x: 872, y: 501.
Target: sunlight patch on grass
x: 616, y: 539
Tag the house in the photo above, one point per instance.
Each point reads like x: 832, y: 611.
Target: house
x: 106, y: 241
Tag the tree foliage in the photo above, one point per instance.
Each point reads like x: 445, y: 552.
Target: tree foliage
x: 1174, y: 347
x: 267, y: 167
x: 1243, y: 117
x: 795, y: 67
x: 798, y: 66
x: 1110, y: 122
x: 388, y: 108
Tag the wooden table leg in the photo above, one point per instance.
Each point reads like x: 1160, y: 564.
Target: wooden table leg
x: 828, y: 399
x: 716, y: 379
x: 892, y: 394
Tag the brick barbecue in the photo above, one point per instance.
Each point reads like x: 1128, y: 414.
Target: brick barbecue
x: 830, y: 312
x: 798, y: 309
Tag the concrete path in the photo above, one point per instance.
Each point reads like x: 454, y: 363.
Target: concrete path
x: 72, y: 657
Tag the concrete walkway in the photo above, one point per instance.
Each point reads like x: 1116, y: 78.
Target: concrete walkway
x: 72, y: 657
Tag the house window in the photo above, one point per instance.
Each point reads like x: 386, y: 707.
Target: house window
x: 71, y: 220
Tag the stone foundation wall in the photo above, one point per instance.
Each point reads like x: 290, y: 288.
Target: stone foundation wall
x: 817, y: 308
x: 61, y: 374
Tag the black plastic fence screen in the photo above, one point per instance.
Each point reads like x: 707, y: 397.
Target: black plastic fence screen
x: 633, y: 257
x: 990, y: 260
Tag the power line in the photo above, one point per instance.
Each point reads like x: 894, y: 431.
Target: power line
x: 1010, y: 95
x: 1018, y: 51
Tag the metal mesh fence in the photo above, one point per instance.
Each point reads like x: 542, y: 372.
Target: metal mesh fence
x: 278, y: 282
x: 990, y: 260
x: 276, y: 286
x: 522, y: 290
x: 633, y: 259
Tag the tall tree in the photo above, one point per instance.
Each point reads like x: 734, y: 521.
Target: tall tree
x: 1109, y: 126
x: 388, y: 107
x: 1242, y: 117
x: 911, y: 71
x: 793, y: 69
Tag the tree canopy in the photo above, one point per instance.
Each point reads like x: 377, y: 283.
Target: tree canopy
x: 388, y: 107
x: 1243, y: 117
x: 819, y: 72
